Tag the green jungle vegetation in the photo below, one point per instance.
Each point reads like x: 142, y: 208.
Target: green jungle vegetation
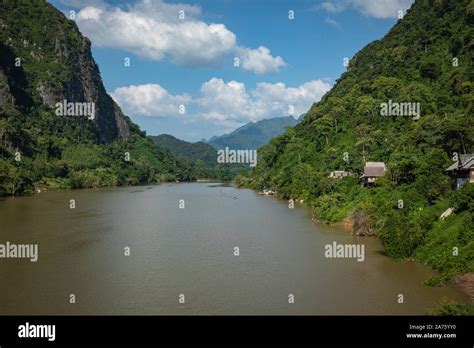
x: 426, y: 58
x: 201, y: 157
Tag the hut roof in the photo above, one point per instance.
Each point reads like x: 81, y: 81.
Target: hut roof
x: 464, y: 162
x: 374, y: 169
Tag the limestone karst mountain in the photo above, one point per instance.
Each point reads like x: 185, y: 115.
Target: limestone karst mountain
x: 46, y: 62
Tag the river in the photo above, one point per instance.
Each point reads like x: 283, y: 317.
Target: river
x: 190, y: 250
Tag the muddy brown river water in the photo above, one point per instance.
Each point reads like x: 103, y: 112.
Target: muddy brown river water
x: 192, y: 252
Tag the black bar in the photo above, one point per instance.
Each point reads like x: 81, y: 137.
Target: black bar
x: 289, y: 330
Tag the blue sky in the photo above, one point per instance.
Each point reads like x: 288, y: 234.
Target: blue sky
x: 182, y: 56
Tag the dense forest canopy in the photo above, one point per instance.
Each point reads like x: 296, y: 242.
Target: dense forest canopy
x: 200, y: 157
x: 198, y: 151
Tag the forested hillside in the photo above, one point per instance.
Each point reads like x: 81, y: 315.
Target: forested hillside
x: 426, y: 58
x: 200, y: 158
x: 44, y: 60
x: 198, y: 151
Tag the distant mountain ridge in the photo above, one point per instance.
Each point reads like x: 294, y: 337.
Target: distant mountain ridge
x: 199, y: 158
x: 254, y: 134
x: 192, y: 151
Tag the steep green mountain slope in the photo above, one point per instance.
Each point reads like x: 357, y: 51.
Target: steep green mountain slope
x: 45, y: 60
x: 198, y: 151
x: 426, y: 58
x: 200, y: 158
x: 253, y: 134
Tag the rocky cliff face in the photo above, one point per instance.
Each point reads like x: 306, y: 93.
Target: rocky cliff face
x: 45, y: 60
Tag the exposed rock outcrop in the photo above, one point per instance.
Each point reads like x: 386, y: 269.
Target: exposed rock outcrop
x: 361, y: 225
x: 57, y: 65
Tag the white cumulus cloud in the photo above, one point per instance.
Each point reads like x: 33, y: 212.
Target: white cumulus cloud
x: 149, y: 100
x: 227, y: 104
x: 278, y: 97
x: 153, y: 29
x: 90, y: 13
x: 260, y: 61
